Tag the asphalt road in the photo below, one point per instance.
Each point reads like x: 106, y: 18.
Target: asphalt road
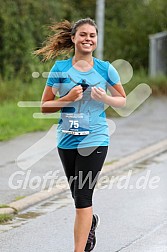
x: 142, y: 128
x: 133, y: 214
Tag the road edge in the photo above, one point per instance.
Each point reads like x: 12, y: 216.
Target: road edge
x: 124, y: 162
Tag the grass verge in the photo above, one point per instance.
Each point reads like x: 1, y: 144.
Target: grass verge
x: 4, y: 206
x: 19, y: 198
x: 17, y: 121
x: 5, y: 218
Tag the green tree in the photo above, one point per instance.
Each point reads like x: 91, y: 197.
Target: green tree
x: 128, y: 25
x: 22, y: 29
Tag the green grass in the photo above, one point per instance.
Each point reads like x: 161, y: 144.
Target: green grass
x: 19, y: 198
x: 158, y: 84
x: 4, y: 206
x: 5, y: 218
x: 16, y: 121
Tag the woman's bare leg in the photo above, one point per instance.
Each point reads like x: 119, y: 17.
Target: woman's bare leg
x: 83, y: 222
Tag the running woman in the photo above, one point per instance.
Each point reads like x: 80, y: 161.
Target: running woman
x: 82, y: 134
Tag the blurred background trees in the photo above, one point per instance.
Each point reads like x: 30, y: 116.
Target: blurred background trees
x: 127, y: 26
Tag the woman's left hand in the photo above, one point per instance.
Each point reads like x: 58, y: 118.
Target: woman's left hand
x: 98, y: 94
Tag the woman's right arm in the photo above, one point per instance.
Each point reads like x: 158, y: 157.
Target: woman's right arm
x: 50, y: 105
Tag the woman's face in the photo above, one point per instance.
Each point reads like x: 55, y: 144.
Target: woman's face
x: 85, y: 39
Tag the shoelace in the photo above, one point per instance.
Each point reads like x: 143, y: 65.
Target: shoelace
x: 91, y: 236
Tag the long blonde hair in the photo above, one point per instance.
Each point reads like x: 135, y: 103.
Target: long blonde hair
x: 60, y: 42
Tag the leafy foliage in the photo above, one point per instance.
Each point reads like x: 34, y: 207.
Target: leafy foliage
x: 21, y: 32
x: 128, y: 24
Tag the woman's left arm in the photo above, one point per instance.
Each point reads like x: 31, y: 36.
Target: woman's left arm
x: 117, y: 98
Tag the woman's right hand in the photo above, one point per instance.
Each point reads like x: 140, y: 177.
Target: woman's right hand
x: 75, y: 94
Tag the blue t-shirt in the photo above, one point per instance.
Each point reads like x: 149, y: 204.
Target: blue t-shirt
x: 64, y: 77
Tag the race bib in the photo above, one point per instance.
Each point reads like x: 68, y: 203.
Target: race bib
x: 75, y: 123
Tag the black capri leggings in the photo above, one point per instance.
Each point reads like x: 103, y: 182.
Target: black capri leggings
x: 82, y: 172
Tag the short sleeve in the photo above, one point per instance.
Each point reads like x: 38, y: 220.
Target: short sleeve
x: 54, y: 79
x: 113, y: 76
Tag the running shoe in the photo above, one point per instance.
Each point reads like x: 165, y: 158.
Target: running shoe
x: 91, y: 242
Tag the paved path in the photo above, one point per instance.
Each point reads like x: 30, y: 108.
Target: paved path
x: 133, y: 217
x: 144, y: 127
